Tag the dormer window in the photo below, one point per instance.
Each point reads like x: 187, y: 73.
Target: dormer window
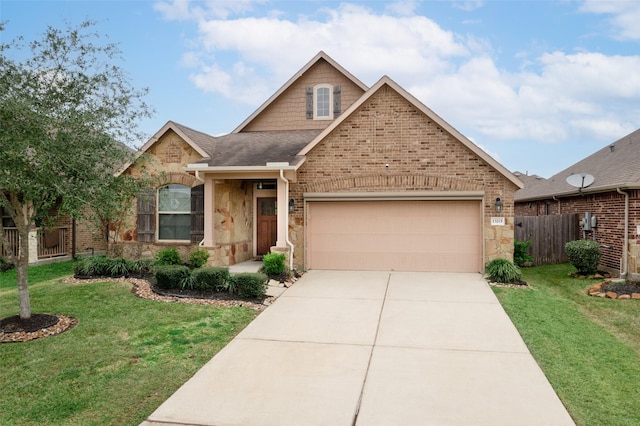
x: 323, y: 102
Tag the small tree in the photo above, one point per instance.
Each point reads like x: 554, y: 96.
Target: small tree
x: 65, y: 108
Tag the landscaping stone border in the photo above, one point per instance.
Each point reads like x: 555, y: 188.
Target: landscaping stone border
x: 596, y: 291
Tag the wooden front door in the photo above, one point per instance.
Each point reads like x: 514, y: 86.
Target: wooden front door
x: 267, y: 225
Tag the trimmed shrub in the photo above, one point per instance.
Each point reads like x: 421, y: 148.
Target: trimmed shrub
x: 198, y: 258
x: 584, y: 255
x: 250, y: 285
x: 171, y: 276
x: 169, y: 256
x: 503, y: 271
x: 273, y: 263
x: 5, y: 265
x: 520, y: 253
x: 211, y: 279
x: 95, y: 266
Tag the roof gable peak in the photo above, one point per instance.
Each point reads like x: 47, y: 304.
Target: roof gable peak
x: 321, y: 55
x: 387, y: 81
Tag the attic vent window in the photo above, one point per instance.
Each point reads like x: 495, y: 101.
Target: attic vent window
x: 323, y: 102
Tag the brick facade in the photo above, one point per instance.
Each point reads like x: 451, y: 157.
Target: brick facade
x: 608, y: 208
x: 388, y: 129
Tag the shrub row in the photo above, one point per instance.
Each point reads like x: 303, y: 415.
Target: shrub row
x: 171, y: 256
x: 102, y: 266
x: 210, y: 279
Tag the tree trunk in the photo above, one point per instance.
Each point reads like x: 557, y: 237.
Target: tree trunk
x: 22, y: 263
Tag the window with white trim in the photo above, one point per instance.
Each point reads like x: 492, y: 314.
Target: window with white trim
x: 322, y: 102
x: 174, y: 213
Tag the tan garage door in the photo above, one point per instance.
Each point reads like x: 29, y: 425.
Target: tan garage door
x: 443, y: 236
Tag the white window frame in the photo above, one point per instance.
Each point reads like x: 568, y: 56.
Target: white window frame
x: 329, y: 116
x: 158, y: 214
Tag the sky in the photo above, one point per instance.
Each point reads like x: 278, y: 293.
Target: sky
x: 538, y: 85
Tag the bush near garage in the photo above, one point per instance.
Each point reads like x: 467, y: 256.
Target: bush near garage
x: 503, y: 271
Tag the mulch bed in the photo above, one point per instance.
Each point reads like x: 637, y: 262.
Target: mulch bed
x: 628, y: 288
x: 13, y: 330
x: 519, y: 284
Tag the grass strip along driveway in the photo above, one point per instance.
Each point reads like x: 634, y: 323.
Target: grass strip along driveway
x: 123, y: 359
x: 588, y: 347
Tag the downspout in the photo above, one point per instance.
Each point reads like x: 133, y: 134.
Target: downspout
x: 625, y: 253
x: 289, y: 243
x: 558, y: 200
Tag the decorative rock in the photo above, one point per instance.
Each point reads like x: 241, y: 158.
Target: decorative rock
x: 601, y: 294
x: 611, y: 295
x: 598, y: 276
x: 624, y: 296
x: 635, y: 295
x: 274, y: 283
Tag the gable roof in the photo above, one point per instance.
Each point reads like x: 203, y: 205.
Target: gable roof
x: 531, y: 182
x: 615, y: 166
x: 254, y: 149
x: 199, y: 141
x: 320, y: 56
x: 385, y: 80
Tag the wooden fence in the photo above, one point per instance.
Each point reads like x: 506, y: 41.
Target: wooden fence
x: 548, y: 235
x: 51, y: 243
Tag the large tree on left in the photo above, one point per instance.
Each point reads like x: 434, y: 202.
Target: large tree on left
x: 67, y: 109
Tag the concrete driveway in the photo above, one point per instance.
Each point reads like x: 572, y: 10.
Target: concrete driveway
x: 372, y: 348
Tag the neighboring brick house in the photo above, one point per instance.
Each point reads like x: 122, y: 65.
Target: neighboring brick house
x: 336, y: 175
x: 63, y: 240
x: 613, y: 199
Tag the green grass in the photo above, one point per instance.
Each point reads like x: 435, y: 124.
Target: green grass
x: 588, y: 347
x: 123, y: 359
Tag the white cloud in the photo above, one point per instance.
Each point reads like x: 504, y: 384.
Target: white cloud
x: 625, y: 16
x: 554, y: 97
x: 280, y: 46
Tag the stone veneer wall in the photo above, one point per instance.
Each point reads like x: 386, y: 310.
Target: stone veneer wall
x: 166, y: 159
x: 387, y: 129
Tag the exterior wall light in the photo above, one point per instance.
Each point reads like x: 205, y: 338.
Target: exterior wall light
x: 498, y: 205
x: 292, y: 205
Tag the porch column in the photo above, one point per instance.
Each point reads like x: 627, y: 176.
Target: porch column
x: 283, y: 212
x: 209, y: 212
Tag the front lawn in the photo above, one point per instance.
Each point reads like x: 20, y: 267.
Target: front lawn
x: 123, y: 359
x: 588, y: 347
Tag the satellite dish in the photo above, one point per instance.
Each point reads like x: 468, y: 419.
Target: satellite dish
x: 581, y: 180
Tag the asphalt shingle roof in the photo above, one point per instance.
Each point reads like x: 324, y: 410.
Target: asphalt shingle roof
x: 247, y: 149
x: 616, y: 165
